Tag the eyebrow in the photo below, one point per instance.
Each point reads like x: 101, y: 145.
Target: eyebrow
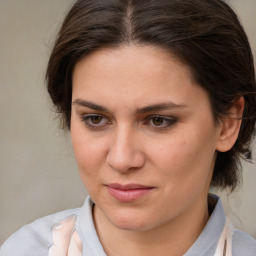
x: 160, y: 106
x: 150, y: 108
x: 89, y: 104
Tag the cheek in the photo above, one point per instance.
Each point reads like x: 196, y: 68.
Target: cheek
x: 89, y: 153
x: 187, y: 161
x: 171, y: 155
x: 185, y: 168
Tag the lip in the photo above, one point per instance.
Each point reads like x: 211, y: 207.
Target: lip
x: 129, y: 192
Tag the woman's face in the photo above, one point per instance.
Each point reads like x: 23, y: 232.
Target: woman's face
x: 143, y: 136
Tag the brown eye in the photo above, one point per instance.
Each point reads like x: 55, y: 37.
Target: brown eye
x: 161, y: 122
x: 95, y: 119
x: 157, y: 121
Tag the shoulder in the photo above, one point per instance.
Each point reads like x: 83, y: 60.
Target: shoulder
x: 243, y: 244
x: 36, y: 237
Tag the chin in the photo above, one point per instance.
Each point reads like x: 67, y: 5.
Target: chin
x: 130, y: 220
x: 131, y: 225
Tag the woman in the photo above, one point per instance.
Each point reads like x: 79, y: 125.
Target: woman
x: 160, y: 100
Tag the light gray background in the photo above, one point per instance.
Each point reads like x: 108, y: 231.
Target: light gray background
x: 38, y: 174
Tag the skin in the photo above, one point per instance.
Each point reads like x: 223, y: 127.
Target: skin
x: 124, y: 143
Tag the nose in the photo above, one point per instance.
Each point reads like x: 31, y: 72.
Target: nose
x: 125, y: 151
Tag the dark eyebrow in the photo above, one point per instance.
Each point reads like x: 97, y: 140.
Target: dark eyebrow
x: 88, y: 104
x: 159, y: 107
x: 151, y: 108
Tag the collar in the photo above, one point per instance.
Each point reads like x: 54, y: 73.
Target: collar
x: 207, y: 242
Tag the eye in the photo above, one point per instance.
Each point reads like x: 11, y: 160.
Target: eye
x: 161, y: 122
x: 157, y: 121
x: 95, y: 121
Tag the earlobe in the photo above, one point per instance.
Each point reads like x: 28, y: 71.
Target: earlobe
x: 230, y: 126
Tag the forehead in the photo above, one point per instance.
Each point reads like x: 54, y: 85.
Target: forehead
x: 144, y: 57
x: 134, y: 74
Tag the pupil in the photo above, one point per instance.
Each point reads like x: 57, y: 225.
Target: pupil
x: 96, y: 119
x: 158, y: 121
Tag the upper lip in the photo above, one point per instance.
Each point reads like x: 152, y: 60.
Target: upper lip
x: 128, y: 186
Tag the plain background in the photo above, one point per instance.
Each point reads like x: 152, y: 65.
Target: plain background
x: 38, y: 174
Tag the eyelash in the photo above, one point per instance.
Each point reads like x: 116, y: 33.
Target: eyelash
x: 168, y: 121
x: 87, y: 119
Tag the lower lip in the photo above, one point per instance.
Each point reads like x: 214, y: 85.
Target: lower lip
x: 130, y: 195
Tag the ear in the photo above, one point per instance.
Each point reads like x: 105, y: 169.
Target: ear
x: 230, y: 126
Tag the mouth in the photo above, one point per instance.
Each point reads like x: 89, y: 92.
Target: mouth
x: 128, y: 193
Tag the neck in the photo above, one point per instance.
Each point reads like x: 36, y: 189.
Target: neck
x: 176, y: 236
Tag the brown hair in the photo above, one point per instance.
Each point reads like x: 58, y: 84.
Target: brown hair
x: 206, y: 35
